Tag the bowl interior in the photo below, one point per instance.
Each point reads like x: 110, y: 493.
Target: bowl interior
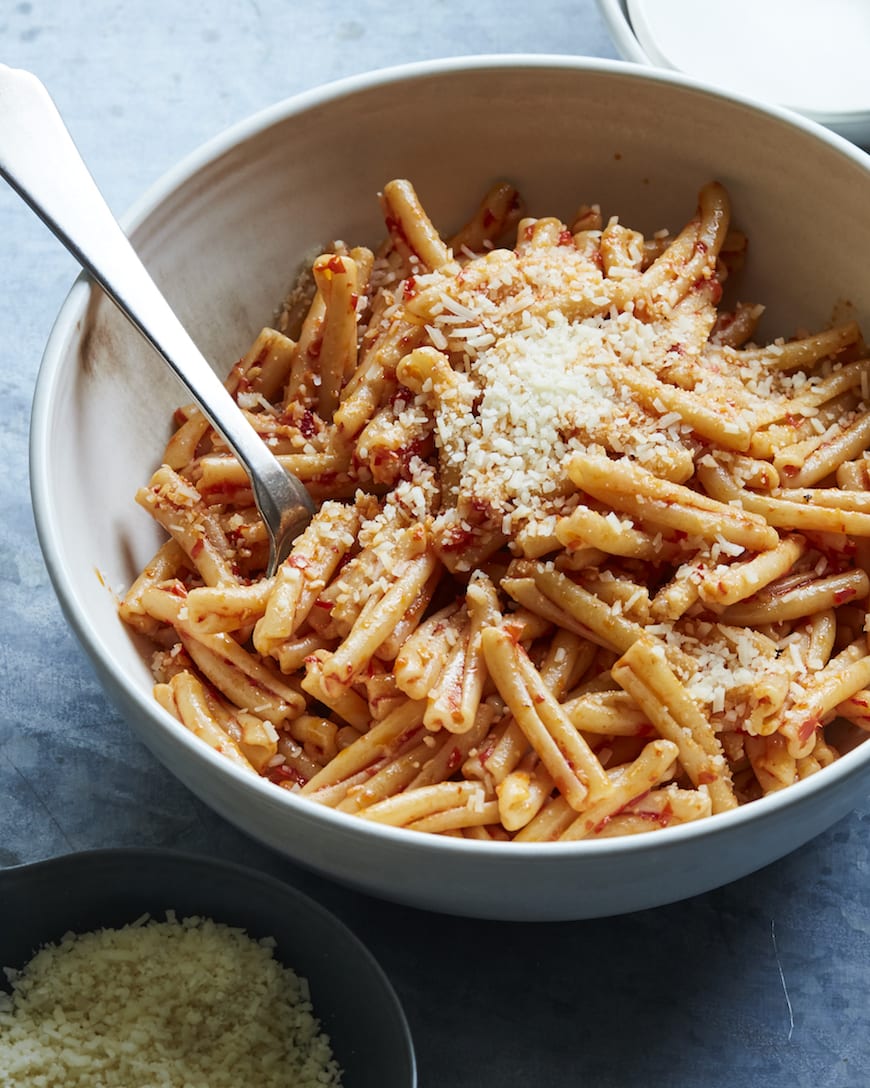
x: 352, y: 997
x: 225, y: 237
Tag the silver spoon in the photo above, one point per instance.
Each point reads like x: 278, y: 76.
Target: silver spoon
x: 40, y: 161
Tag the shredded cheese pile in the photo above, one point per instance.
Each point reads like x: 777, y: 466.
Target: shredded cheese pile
x: 546, y: 350
x: 161, y: 1005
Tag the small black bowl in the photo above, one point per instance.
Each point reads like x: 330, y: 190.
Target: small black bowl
x: 351, y: 995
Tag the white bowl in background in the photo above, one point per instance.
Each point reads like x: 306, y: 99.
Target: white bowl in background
x: 805, y: 57
x: 224, y: 233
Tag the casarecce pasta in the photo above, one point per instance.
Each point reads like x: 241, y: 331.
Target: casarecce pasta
x: 587, y: 561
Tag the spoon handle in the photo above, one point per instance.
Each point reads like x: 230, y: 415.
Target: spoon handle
x: 40, y: 161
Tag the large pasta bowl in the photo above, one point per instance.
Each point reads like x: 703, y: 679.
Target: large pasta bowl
x: 224, y: 235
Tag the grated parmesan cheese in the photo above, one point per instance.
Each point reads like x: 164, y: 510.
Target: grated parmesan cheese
x: 171, y: 1004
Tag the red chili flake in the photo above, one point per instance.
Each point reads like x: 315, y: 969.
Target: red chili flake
x: 287, y: 774
x: 566, y: 238
x: 454, y: 759
x: 243, y: 380
x: 706, y: 777
x: 843, y: 595
x: 481, y: 508
x: 807, y: 729
x: 221, y: 492
x: 662, y: 818
x: 409, y: 289
x: 394, y: 226
x: 314, y: 347
x: 458, y: 540
x: 409, y: 734
x: 335, y: 264
x: 307, y: 424
x: 484, y: 754
x: 196, y: 549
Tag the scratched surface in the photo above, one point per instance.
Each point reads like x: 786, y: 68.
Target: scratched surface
x: 764, y: 982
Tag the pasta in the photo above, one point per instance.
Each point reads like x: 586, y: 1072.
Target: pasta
x: 588, y: 560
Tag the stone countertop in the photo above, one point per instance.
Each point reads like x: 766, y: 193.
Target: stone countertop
x: 763, y: 982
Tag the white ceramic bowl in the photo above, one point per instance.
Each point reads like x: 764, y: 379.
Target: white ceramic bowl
x: 224, y: 233
x: 843, y: 105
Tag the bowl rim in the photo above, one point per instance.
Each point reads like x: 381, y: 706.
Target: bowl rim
x: 852, y: 764
x: 186, y: 859
x: 615, y: 16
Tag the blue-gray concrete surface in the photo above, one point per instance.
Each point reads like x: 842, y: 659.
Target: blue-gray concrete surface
x: 762, y: 983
